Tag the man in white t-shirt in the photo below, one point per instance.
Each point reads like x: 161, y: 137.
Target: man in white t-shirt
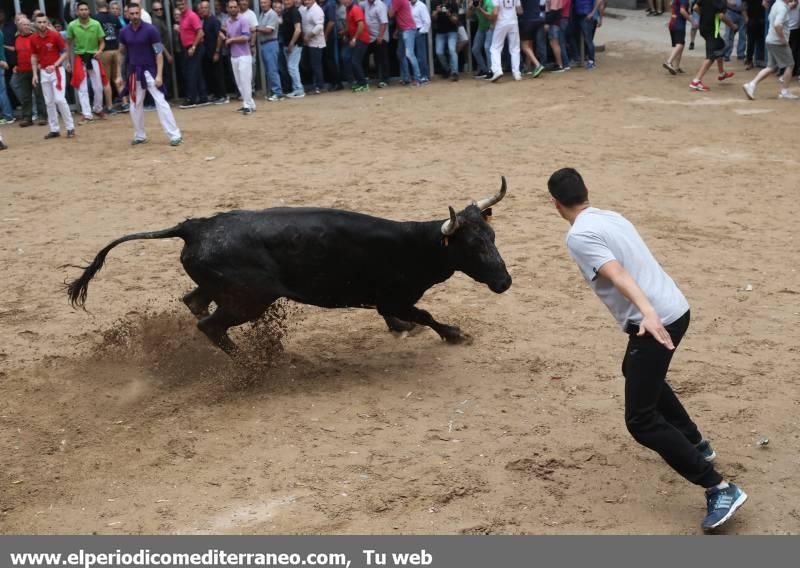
x: 654, y: 313
x: 505, y: 26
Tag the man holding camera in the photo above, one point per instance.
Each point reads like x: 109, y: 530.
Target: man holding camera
x: 445, y: 26
x: 482, y: 42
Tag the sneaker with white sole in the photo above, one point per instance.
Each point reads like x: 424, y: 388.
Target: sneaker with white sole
x: 749, y: 90
x: 704, y: 447
x: 721, y: 505
x: 495, y: 76
x: 788, y: 95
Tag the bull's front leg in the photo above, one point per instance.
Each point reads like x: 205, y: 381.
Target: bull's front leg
x: 449, y: 333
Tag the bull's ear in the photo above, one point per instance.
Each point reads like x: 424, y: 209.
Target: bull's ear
x: 487, y: 215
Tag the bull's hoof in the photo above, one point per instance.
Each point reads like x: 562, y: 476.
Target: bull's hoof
x: 398, y: 325
x: 455, y: 336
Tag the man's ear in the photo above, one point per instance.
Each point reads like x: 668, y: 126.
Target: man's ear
x: 487, y: 215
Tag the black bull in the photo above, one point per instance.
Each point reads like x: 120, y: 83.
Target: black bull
x: 245, y: 260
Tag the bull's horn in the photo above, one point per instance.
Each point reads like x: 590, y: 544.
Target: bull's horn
x: 489, y: 201
x: 449, y: 227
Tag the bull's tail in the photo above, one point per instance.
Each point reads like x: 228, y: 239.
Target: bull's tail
x: 78, y: 288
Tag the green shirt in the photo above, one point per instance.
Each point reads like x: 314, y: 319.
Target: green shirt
x: 85, y: 39
x: 483, y: 22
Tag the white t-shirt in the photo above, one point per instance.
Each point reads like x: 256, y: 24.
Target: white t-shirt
x: 506, y: 12
x: 599, y: 236
x: 794, y: 17
x: 313, y: 22
x: 251, y: 18
x: 421, y: 17
x: 146, y: 17
x: 779, y: 14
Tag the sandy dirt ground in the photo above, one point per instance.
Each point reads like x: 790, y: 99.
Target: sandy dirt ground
x: 126, y: 420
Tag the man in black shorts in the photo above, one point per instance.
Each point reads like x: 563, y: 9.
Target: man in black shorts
x: 530, y: 22
x: 711, y: 13
x: 552, y: 25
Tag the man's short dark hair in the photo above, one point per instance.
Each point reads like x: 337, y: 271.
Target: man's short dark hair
x: 81, y: 3
x: 567, y: 187
x: 133, y: 5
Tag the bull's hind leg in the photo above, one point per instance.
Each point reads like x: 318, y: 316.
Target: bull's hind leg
x: 197, y: 302
x: 399, y: 325
x: 216, y: 326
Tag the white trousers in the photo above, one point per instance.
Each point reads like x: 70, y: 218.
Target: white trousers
x: 92, y: 74
x: 54, y: 98
x: 510, y: 31
x: 243, y: 74
x: 162, y: 107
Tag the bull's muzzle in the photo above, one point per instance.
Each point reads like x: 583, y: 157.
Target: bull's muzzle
x: 501, y: 285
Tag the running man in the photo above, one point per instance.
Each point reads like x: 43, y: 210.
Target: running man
x: 48, y: 53
x: 650, y: 308
x: 779, y: 54
x: 677, y: 33
x: 711, y: 13
x: 140, y: 45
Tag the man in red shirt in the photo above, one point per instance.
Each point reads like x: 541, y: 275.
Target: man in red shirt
x: 191, y: 35
x: 358, y: 38
x: 24, y: 73
x: 48, y: 52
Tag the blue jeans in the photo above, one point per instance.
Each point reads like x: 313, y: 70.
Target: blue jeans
x: 541, y: 45
x: 5, y: 105
x: 566, y: 55
x: 421, y: 51
x: 269, y: 53
x: 451, y: 38
x: 738, y: 19
x: 587, y: 29
x: 293, y: 64
x: 480, y: 49
x: 405, y: 53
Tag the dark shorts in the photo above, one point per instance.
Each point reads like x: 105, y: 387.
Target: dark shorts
x: 553, y: 18
x: 528, y: 30
x: 678, y: 37
x: 715, y: 48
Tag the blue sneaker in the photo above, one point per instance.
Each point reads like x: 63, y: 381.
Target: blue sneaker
x: 722, y: 504
x: 704, y: 447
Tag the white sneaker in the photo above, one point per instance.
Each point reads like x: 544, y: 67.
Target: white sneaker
x: 495, y: 76
x: 749, y: 90
x: 788, y: 95
x: 518, y: 77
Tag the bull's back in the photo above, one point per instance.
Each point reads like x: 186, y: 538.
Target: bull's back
x: 326, y: 257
